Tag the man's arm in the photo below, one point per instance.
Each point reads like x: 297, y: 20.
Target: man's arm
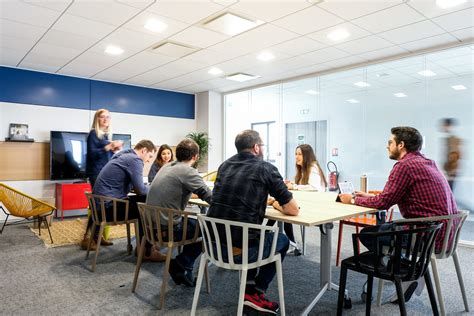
x: 290, y: 208
x: 136, y: 175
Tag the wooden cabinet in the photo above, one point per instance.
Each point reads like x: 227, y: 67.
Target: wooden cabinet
x: 70, y: 196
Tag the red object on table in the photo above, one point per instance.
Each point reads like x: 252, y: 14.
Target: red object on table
x: 70, y: 196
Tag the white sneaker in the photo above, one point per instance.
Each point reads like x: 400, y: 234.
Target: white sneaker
x: 293, y: 249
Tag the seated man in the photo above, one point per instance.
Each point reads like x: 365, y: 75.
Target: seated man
x: 172, y: 188
x: 240, y: 193
x: 415, y: 184
x: 123, y: 172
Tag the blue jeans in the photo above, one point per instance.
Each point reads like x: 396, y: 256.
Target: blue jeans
x: 261, y: 278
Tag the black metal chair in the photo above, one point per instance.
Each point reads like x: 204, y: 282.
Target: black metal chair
x: 399, y: 255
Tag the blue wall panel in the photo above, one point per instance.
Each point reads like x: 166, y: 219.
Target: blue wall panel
x: 31, y: 87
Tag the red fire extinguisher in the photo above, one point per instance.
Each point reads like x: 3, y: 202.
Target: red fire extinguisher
x: 333, y: 176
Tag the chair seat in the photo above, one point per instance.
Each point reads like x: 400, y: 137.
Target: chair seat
x: 360, y: 221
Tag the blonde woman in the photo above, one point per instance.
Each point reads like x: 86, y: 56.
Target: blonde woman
x: 100, y: 148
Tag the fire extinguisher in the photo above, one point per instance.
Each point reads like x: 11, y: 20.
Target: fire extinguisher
x: 333, y: 176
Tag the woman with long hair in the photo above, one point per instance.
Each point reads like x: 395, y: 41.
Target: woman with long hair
x: 100, y: 148
x: 309, y: 177
x: 164, y: 155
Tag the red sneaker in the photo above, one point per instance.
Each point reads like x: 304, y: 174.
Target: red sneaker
x: 260, y: 303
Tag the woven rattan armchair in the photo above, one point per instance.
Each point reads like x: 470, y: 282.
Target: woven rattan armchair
x: 19, y: 204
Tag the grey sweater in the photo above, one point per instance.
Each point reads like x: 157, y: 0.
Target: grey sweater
x: 172, y: 188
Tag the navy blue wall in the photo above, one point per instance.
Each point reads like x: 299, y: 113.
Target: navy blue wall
x: 31, y: 87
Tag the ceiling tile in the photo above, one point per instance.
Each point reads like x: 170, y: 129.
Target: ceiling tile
x: 26, y: 13
x: 199, y: 37
x: 298, y: 46
x: 207, y: 57
x: 308, y: 20
x: 65, y: 39
x: 354, y: 31
x: 412, y: 32
x: 81, y: 26
x: 429, y: 42
x: 102, y: 60
x: 325, y: 54
x: 21, y: 30
x: 430, y: 9
x: 383, y: 53
x: 267, y: 11
x: 464, y: 34
x: 356, y: 8
x: 365, y: 44
x: 457, y: 20
x: 138, y: 23
x: 22, y: 45
x: 10, y: 57
x: 185, y: 11
x: 54, y: 51
x: 387, y: 19
x: 130, y: 38
x: 45, y: 60
x: 104, y: 11
x: 139, y: 4
x: 80, y: 69
x: 56, y: 5
x: 38, y: 66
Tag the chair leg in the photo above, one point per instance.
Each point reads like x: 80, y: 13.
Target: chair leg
x: 339, y: 241
x: 429, y: 287
x: 243, y: 282
x: 437, y: 282
x: 401, y: 297
x: 141, y: 253
x: 137, y: 235
x: 368, y: 302
x: 303, y: 239
x: 101, y: 231
x: 129, y: 240
x: 39, y: 219
x: 358, y: 242
x: 94, y: 226
x: 380, y: 292
x: 201, y: 272
x: 342, y: 289
x: 460, y: 279
x: 49, y: 231
x: 166, y: 274
x: 281, y: 289
x: 208, y: 283
x: 5, y: 222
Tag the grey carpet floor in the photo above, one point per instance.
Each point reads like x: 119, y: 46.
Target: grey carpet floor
x: 57, y: 281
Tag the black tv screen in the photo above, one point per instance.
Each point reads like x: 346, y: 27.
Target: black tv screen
x: 68, y: 152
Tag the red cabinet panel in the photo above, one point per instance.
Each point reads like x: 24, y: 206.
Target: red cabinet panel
x: 70, y: 196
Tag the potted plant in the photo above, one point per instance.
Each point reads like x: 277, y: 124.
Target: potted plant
x: 203, y: 142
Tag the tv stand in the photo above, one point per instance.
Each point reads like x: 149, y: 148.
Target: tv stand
x: 70, y: 196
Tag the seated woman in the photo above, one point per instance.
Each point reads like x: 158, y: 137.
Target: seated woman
x: 165, y: 155
x: 309, y: 177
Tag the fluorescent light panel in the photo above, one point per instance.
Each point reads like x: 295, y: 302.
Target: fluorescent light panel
x: 312, y: 92
x: 353, y: 101
x: 427, y: 73
x: 459, y: 87
x: 400, y: 95
x: 265, y: 56
x: 362, y: 84
x: 446, y: 4
x: 338, y: 35
x: 113, y: 50
x: 231, y: 24
x: 155, y: 25
x: 241, y: 77
x: 215, y: 71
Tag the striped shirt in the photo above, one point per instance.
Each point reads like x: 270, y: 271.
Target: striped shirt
x: 420, y: 190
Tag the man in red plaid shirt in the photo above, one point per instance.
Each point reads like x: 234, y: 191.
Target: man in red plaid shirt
x: 415, y: 184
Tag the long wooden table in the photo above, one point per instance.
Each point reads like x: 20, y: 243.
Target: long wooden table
x: 316, y: 209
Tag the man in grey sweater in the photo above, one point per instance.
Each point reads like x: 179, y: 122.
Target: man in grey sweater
x: 172, y: 188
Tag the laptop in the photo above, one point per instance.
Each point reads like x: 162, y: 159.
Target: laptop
x: 346, y: 187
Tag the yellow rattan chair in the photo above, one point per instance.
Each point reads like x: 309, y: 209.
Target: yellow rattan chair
x: 19, y: 204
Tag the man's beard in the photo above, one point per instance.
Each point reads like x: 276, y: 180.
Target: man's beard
x: 394, y: 155
x: 260, y: 154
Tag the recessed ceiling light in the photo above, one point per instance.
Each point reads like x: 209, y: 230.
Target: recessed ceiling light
x: 338, y: 35
x: 215, y: 71
x: 265, y: 56
x: 231, y: 24
x: 446, y: 4
x: 312, y: 92
x: 113, y: 50
x: 400, y: 95
x: 362, y: 84
x: 426, y: 73
x: 241, y: 77
x: 382, y: 75
x: 352, y: 101
x: 155, y: 25
x: 459, y: 87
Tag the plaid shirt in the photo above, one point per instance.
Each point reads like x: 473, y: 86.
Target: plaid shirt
x: 242, y: 186
x: 420, y: 190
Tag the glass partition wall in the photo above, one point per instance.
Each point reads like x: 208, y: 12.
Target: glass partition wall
x: 347, y: 116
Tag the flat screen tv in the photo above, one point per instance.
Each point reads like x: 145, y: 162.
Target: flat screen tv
x: 68, y: 152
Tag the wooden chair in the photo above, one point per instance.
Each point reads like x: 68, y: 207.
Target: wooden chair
x: 155, y: 231
x: 20, y: 204
x: 453, y: 225
x: 410, y: 246
x: 214, y: 250
x: 359, y: 222
x: 210, y: 176
x: 97, y: 205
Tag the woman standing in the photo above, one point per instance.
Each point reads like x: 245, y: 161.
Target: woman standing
x: 309, y: 177
x: 165, y: 155
x: 100, y: 149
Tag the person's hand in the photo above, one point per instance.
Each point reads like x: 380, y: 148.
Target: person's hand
x: 277, y: 206
x: 117, y: 145
x: 363, y: 194
x: 289, y: 185
x: 270, y: 201
x: 345, y: 198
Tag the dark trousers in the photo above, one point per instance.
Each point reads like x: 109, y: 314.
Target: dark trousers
x: 287, y: 227
x: 190, y: 252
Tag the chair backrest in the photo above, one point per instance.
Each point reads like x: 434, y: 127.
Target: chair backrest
x: 161, y: 233
x: 98, y: 205
x: 22, y: 205
x: 210, y: 176
x: 410, y: 246
x: 221, y: 252
x: 452, y: 225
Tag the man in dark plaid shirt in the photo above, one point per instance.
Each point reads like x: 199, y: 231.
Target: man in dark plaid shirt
x: 240, y: 193
x: 415, y: 184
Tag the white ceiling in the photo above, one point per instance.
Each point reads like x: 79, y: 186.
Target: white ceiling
x: 69, y: 37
